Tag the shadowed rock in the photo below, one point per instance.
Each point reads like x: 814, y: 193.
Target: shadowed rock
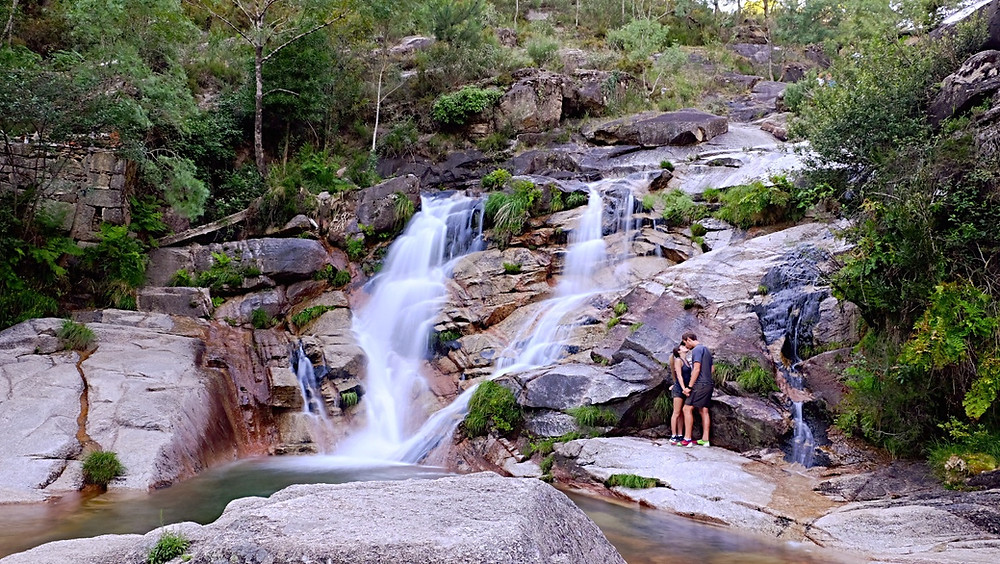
x: 652, y: 129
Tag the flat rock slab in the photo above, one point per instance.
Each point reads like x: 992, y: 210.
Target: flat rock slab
x: 653, y: 129
x: 478, y: 518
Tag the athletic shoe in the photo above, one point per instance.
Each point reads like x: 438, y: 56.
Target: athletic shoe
x: 675, y: 440
x: 687, y: 443
x: 704, y: 443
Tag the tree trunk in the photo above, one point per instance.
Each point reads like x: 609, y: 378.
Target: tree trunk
x: 258, y: 114
x: 9, y: 28
x: 378, y: 105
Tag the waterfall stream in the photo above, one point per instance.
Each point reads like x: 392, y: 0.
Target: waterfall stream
x: 394, y: 326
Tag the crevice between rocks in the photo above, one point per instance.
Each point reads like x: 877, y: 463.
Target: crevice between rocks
x: 87, y: 444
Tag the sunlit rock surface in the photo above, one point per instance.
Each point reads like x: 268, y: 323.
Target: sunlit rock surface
x: 474, y: 519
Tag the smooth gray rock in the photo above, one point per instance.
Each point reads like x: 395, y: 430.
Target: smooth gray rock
x: 574, y: 385
x: 472, y: 519
x: 744, y: 423
x: 189, y: 302
x: 281, y: 259
x: 652, y: 129
x: 976, y: 79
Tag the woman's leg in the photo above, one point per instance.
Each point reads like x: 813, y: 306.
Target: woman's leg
x: 688, y: 421
x: 676, y: 426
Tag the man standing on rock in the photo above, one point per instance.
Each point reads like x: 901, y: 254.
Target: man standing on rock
x: 699, y: 390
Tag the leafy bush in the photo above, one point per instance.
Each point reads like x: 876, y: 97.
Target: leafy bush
x: 976, y: 449
x: 698, y: 230
x: 355, y: 248
x: 496, y: 179
x: 182, y: 189
x: 754, y: 378
x: 639, y: 38
x: 511, y: 268
x: 117, y: 264
x: 100, y: 467
x: 620, y: 308
x: 630, y: 481
x: 680, y: 209
x: 614, y: 321
x: 544, y: 447
x: 458, y: 107
x: 261, y: 319
x: 492, y: 407
x: 75, y: 336
x: 667, y: 165
x: 399, y: 141
x: 542, y: 50
x: 593, y: 416
x: 168, y: 547
x: 689, y: 303
x: 183, y: 278
x: 711, y: 195
x: 758, y: 204
x: 403, y: 209
x: 225, y: 272
x: 649, y: 202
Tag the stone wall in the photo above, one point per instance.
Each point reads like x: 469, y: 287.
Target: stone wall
x: 81, y: 186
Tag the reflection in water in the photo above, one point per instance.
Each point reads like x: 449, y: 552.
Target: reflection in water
x: 642, y: 536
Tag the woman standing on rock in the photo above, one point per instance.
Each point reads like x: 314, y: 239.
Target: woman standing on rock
x: 698, y: 391
x: 681, y: 370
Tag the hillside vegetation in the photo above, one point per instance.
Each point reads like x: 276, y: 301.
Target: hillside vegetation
x: 221, y: 105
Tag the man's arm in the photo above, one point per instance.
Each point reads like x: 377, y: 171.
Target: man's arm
x: 695, y: 371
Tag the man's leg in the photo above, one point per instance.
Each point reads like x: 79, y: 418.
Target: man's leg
x: 706, y: 424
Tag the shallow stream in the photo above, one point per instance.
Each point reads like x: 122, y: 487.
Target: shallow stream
x: 642, y: 536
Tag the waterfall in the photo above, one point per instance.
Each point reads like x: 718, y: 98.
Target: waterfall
x: 312, y: 399
x: 394, y: 326
x: 787, y: 316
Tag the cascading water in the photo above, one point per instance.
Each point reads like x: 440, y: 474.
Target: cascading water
x: 787, y: 317
x: 312, y: 399
x: 540, y: 342
x: 393, y: 327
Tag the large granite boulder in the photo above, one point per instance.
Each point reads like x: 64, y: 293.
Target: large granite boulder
x: 573, y: 385
x: 534, y: 103
x: 344, y: 215
x: 190, y: 302
x: 473, y: 519
x: 977, y: 79
x: 146, y: 391
x: 279, y: 259
x: 483, y: 291
x: 654, y: 129
x: 745, y: 423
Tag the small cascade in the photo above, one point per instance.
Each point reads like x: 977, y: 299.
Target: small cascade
x: 790, y: 311
x: 394, y: 326
x: 312, y: 399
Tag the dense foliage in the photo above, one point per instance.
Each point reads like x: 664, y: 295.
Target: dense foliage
x: 922, y: 197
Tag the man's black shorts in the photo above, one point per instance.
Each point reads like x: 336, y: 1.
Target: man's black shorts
x: 700, y: 396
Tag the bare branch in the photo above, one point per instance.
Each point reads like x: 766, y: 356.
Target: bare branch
x: 273, y: 90
x: 267, y: 5
x: 327, y: 23
x: 226, y: 21
x: 243, y: 9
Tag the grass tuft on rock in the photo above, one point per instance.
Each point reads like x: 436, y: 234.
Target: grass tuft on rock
x: 492, y: 407
x: 75, y: 336
x: 100, y: 467
x: 168, y: 547
x: 630, y: 481
x: 593, y: 416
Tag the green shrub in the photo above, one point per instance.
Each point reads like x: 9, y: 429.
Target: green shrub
x: 261, y: 319
x: 341, y: 278
x: 348, y: 399
x: 100, y: 467
x: 698, y: 230
x: 168, y: 547
x: 496, y: 179
x: 689, y: 303
x: 680, y: 209
x: 711, y: 195
x: 544, y: 447
x: 620, y: 308
x: 754, y: 378
x: 546, y: 465
x: 542, y: 50
x: 218, y: 301
x: 492, y: 407
x: 593, y: 416
x: 355, y: 248
x: 117, y: 264
x: 630, y: 481
x: 400, y: 140
x: 556, y: 203
x: 225, y: 272
x: 576, y: 199
x: 639, y: 38
x: 649, y: 202
x: 75, y: 336
x: 635, y: 327
x: 456, y: 108
x: 613, y: 322
x: 302, y: 318
x: 507, y: 213
x: 183, y: 278
x: 758, y: 204
x: 512, y: 268
x: 667, y: 165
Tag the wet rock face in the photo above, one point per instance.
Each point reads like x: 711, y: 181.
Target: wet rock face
x: 652, y: 129
x: 457, y: 520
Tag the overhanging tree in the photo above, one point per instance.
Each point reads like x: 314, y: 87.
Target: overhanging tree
x: 267, y: 27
